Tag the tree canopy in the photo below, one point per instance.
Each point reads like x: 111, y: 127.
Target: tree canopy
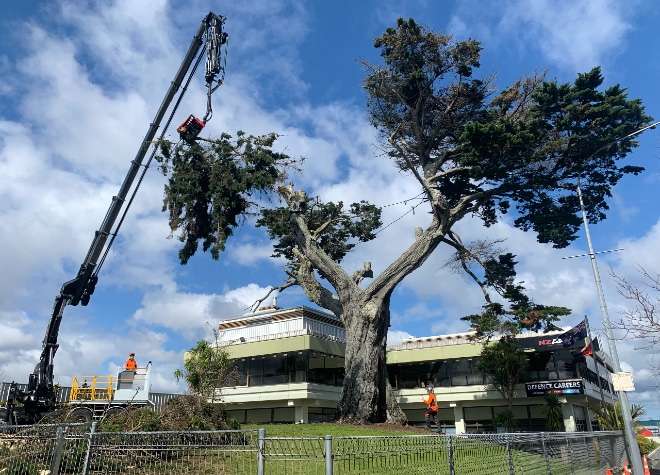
x: 470, y: 151
x: 505, y: 364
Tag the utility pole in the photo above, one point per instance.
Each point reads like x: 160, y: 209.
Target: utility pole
x: 629, y: 426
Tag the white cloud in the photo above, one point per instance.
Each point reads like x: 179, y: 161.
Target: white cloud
x: 248, y: 254
x: 193, y: 315
x: 396, y: 337
x: 575, y: 36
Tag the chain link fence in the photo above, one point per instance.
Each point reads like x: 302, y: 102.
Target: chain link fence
x: 79, y: 449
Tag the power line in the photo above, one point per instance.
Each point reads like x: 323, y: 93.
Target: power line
x: 404, y: 201
x: 411, y: 210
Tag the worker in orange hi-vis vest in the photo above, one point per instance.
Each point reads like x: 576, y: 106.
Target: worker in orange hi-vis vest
x: 432, y: 404
x: 131, y: 364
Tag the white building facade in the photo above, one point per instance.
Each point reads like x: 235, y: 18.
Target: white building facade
x: 291, y: 369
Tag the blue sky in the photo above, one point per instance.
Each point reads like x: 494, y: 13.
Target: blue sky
x: 82, y: 81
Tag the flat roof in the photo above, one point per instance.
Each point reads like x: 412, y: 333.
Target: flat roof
x: 270, y: 314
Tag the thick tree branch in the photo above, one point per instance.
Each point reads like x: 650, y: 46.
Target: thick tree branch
x: 410, y: 260
x: 307, y: 245
x: 314, y: 291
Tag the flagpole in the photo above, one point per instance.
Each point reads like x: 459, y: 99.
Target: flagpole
x: 593, y: 355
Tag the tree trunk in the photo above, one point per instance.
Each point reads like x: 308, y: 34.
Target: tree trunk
x: 367, y: 396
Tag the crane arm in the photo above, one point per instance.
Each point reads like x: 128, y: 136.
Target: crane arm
x: 40, y: 395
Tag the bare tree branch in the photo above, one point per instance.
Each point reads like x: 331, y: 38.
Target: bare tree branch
x: 641, y: 321
x: 289, y: 283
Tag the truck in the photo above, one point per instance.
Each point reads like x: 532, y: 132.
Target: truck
x: 39, y: 399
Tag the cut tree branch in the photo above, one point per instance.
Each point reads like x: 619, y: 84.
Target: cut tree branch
x: 361, y: 274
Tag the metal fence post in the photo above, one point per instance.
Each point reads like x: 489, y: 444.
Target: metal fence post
x: 261, y: 451
x: 545, y: 454
x: 329, y: 467
x: 450, y: 454
x: 57, y: 454
x: 508, y: 452
x: 88, y: 455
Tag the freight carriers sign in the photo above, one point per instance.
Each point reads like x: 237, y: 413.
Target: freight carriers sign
x: 541, y: 388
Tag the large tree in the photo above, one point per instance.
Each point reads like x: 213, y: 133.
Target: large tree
x: 472, y: 154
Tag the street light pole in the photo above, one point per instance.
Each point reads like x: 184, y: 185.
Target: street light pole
x: 629, y: 427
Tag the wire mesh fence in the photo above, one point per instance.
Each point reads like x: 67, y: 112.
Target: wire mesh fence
x: 79, y: 449
x: 417, y: 454
x: 539, y: 453
x: 33, y: 449
x: 207, y: 452
x: 294, y: 456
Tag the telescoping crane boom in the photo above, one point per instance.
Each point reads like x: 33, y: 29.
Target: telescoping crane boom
x: 40, y: 399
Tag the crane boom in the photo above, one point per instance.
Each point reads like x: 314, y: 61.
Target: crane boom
x: 39, y: 398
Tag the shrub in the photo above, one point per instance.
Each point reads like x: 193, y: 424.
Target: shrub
x: 506, y: 419
x: 646, y: 446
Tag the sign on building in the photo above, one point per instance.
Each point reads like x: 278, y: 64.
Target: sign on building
x: 541, y: 388
x: 623, y: 382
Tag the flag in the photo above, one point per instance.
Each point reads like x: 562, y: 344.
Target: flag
x: 575, y: 334
x: 587, y: 350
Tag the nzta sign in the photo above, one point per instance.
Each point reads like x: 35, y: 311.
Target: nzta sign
x: 566, y: 386
x: 550, y: 342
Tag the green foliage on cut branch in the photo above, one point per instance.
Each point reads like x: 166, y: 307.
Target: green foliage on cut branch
x: 214, y: 185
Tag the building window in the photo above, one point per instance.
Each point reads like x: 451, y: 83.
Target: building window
x: 284, y: 368
x: 440, y: 373
x: 275, y: 371
x: 580, y: 415
x: 325, y: 369
x: 478, y: 420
